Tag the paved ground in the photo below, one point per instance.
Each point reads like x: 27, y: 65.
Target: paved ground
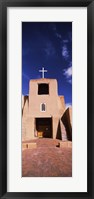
x: 47, y: 160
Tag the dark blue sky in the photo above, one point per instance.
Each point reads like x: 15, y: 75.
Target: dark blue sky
x: 48, y: 45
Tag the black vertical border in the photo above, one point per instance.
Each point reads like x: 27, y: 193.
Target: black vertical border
x: 3, y: 97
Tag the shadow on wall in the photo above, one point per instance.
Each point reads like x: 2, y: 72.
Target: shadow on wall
x: 67, y: 123
x: 58, y: 136
x: 26, y: 98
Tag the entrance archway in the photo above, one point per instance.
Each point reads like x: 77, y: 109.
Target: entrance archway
x: 44, y: 125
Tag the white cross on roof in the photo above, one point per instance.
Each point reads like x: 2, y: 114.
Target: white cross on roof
x: 43, y: 71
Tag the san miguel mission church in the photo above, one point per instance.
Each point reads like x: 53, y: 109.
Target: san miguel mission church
x: 44, y: 114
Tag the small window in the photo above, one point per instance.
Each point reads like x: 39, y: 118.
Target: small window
x: 43, y: 107
x: 43, y: 89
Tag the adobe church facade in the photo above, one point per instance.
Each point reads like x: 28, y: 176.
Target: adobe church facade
x: 44, y: 111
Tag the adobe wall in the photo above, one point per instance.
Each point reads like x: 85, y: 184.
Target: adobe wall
x: 51, y: 100
x: 25, y: 106
x: 67, y: 122
x: 61, y: 105
x: 55, y: 108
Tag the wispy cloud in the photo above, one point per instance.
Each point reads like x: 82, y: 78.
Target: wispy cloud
x: 65, y: 52
x: 69, y: 80
x: 58, y: 35
x: 68, y: 74
x: 65, y: 41
x: 49, y: 49
x: 68, y: 105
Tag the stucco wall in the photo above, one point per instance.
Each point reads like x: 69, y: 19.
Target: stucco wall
x: 67, y: 121
x: 50, y: 100
x: 25, y: 106
x: 55, y: 108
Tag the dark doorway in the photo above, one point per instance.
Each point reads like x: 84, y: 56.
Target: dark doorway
x: 44, y: 125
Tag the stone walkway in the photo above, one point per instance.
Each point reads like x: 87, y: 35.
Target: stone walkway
x: 47, y: 160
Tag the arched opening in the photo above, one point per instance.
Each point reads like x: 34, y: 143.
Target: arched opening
x: 43, y: 107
